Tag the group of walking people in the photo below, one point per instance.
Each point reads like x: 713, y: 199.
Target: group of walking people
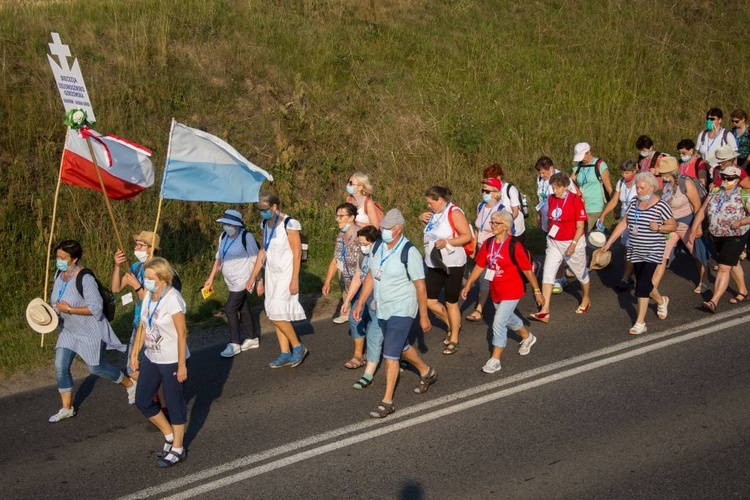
x: 697, y: 200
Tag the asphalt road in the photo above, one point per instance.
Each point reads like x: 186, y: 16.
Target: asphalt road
x: 592, y: 412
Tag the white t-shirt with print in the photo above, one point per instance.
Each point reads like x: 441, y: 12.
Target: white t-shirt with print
x: 237, y: 262
x: 160, y: 332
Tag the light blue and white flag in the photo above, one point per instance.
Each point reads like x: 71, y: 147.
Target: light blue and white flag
x: 202, y: 167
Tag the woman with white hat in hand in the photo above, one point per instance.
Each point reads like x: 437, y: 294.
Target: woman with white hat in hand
x: 648, y: 218
x: 235, y: 258
x: 83, y: 328
x: 684, y: 200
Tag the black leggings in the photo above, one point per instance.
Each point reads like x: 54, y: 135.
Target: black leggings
x: 238, y: 309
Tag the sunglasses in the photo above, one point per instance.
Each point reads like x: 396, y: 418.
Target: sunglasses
x: 712, y: 118
x: 489, y: 191
x: 351, y: 183
x: 728, y: 177
x: 736, y: 120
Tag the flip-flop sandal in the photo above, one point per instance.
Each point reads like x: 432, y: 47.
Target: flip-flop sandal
x: 355, y: 362
x: 540, y: 316
x: 739, y: 298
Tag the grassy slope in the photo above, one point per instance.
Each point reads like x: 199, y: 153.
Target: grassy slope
x: 414, y: 92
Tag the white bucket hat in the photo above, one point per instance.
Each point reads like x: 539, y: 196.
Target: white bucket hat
x: 41, y: 316
x: 597, y: 239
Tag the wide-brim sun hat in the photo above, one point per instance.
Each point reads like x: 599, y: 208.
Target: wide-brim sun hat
x: 231, y: 217
x: 600, y: 259
x: 41, y: 317
x: 597, y: 239
x: 725, y: 153
x: 149, y: 237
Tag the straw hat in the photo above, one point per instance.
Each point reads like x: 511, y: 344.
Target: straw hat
x: 600, y: 259
x: 41, y: 316
x: 597, y: 239
x: 148, y: 237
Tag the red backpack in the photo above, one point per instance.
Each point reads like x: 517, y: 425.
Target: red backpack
x: 469, y: 247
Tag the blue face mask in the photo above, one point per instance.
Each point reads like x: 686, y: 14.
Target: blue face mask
x: 149, y: 285
x: 345, y: 228
x: 386, y: 235
x: 709, y: 125
x: 486, y: 197
x: 62, y: 265
x: 266, y: 214
x: 350, y: 189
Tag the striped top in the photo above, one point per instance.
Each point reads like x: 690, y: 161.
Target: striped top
x: 83, y: 334
x: 647, y: 245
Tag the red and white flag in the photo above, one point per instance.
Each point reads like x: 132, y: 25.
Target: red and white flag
x: 125, y: 167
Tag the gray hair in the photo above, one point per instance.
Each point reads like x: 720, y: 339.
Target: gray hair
x: 648, y: 178
x: 503, y: 216
x: 628, y: 165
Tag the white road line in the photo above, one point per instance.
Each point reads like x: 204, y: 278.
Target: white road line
x: 717, y: 322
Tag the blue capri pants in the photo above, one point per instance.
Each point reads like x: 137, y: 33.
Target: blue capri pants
x: 63, y: 360
x: 505, y: 317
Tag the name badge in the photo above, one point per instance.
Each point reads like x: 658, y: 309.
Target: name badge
x: 378, y: 274
x: 340, y: 265
x: 127, y: 298
x: 553, y: 229
x: 539, y: 206
x: 489, y: 274
x: 633, y: 230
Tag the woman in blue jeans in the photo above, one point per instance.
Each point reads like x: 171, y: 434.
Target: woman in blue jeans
x: 83, y: 329
x: 369, y: 322
x: 504, y: 270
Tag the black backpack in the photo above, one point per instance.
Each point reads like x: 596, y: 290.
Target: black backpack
x: 521, y: 197
x: 108, y: 298
x: 404, y: 254
x: 512, y: 251
x: 596, y: 166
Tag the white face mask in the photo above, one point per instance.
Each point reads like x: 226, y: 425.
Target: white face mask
x: 686, y: 158
x: 141, y: 255
x: 365, y: 249
x: 645, y: 154
x: 230, y: 230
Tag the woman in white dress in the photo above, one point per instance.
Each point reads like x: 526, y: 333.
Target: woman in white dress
x: 280, y: 255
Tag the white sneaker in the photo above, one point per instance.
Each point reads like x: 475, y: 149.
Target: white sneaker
x: 63, y: 414
x: 491, y: 366
x: 250, y: 344
x: 131, y: 393
x: 662, y: 310
x: 231, y: 350
x: 526, y: 344
x: 340, y: 319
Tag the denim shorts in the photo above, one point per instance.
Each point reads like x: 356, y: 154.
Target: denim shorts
x: 395, y: 335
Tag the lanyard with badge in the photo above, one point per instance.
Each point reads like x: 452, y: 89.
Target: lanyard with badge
x: 266, y: 237
x: 628, y: 193
x: 433, y: 223
x: 379, y: 273
x: 637, y: 216
x: 153, y: 333
x: 543, y: 192
x: 492, y: 257
x: 225, y: 247
x: 499, y: 207
x: 556, y: 215
x: 65, y: 283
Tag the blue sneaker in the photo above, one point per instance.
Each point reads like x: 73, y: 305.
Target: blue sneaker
x: 298, y: 354
x: 284, y: 359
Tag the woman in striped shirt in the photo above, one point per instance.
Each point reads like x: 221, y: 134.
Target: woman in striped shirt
x: 647, y: 219
x: 84, y: 331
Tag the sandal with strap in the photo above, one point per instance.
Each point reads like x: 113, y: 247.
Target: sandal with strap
x: 426, y: 381
x: 710, y: 306
x: 383, y: 410
x: 362, y: 383
x: 451, y: 348
x: 168, y: 462
x: 166, y: 449
x: 475, y: 317
x: 739, y: 298
x: 355, y: 362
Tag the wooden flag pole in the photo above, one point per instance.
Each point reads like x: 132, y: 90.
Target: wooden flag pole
x: 156, y: 227
x: 104, y: 192
x: 52, y: 227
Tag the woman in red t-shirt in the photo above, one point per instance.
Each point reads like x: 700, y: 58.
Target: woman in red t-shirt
x: 565, y: 243
x: 503, y: 271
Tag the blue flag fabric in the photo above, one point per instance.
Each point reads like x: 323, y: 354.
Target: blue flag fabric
x: 202, y: 167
